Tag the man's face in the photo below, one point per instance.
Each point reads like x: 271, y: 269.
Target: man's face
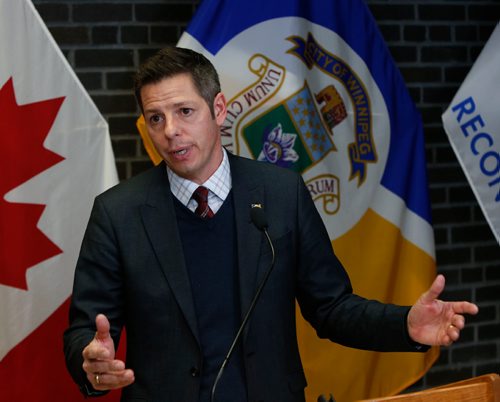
x: 182, y: 128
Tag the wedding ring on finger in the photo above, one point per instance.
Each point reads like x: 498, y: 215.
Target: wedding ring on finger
x: 97, y: 379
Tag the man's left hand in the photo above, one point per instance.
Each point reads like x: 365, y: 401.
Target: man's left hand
x: 434, y: 322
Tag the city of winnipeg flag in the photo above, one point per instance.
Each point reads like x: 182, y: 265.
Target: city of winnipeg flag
x: 311, y: 86
x: 56, y: 157
x: 472, y: 122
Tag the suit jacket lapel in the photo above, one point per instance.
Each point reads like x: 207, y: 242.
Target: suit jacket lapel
x: 160, y: 222
x: 246, y: 191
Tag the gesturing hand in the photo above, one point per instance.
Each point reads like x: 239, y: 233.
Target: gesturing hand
x: 103, y: 371
x: 434, y: 322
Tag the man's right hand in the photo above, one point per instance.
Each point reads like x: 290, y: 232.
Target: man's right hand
x: 103, y: 371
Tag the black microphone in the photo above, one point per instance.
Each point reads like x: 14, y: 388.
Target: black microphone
x: 258, y: 216
x: 259, y: 219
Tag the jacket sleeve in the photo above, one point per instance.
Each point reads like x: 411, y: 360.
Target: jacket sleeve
x: 97, y: 289
x: 325, y: 294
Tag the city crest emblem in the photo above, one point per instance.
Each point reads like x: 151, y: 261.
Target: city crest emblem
x: 311, y: 109
x: 292, y: 134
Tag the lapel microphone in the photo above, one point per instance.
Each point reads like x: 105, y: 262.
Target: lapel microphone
x: 259, y: 219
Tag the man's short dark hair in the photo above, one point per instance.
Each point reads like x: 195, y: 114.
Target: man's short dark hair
x: 172, y: 61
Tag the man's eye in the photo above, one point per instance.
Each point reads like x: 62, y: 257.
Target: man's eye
x: 185, y: 111
x: 155, y: 119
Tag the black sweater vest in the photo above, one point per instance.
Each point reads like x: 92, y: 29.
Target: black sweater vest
x: 211, y: 260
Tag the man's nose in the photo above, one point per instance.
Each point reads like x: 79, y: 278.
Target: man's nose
x: 171, y: 129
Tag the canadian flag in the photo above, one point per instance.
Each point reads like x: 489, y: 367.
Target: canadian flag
x: 56, y: 157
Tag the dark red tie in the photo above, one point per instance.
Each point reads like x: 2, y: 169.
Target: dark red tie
x: 200, y: 195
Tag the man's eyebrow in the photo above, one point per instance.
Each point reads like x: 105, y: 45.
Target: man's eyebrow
x: 176, y: 105
x: 153, y: 110
x: 183, y: 104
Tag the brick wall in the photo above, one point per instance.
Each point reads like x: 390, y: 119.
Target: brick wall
x: 434, y: 43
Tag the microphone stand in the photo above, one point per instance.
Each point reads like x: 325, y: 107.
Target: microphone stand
x: 262, y: 225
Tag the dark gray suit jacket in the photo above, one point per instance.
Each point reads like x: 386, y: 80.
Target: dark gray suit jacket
x: 132, y: 269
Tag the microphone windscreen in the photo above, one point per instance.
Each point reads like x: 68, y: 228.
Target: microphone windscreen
x: 258, y: 217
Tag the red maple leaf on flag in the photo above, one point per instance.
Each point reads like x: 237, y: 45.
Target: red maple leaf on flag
x: 23, y: 129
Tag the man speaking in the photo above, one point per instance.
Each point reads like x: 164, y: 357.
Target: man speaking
x: 174, y: 256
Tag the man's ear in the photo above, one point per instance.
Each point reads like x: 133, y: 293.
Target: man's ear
x: 220, y: 108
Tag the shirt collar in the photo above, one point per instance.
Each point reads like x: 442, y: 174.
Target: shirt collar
x: 219, y: 183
